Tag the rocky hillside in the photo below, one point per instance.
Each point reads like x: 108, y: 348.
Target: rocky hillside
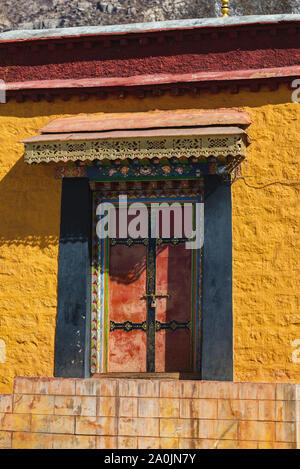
x: 39, y: 14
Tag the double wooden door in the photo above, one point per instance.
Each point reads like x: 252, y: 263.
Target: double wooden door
x: 149, y: 305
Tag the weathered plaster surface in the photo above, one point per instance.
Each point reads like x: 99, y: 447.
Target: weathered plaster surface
x: 265, y: 234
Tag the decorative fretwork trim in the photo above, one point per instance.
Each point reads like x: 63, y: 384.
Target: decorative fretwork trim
x: 220, y: 146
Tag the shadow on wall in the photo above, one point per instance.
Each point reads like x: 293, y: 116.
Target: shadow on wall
x: 43, y: 112
x: 30, y: 206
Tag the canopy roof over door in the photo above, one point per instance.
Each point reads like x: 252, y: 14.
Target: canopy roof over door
x: 189, y: 133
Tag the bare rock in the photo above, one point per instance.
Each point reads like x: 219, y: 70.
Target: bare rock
x: 65, y: 13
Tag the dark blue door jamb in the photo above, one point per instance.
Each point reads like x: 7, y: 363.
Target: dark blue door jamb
x: 217, y: 324
x: 72, y: 341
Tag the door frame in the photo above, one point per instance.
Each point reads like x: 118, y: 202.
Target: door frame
x: 73, y: 320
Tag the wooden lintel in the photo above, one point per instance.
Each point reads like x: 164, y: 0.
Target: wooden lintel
x: 178, y: 375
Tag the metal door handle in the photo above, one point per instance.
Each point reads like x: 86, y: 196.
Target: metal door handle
x: 145, y: 297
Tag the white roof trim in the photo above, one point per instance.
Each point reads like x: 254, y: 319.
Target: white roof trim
x: 144, y: 27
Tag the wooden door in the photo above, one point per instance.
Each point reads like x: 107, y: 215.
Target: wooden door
x: 150, y: 285
x: 173, y: 311
x: 127, y: 312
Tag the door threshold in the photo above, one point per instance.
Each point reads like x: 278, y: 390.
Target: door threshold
x: 175, y: 375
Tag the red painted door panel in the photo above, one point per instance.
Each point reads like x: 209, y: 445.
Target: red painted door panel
x: 173, y: 277
x: 127, y: 285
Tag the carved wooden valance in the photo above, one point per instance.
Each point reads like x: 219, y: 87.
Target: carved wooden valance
x: 159, y: 134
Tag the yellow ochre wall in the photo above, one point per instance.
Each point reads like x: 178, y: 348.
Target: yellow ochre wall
x: 265, y: 234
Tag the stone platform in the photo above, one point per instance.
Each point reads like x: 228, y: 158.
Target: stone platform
x: 112, y: 413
